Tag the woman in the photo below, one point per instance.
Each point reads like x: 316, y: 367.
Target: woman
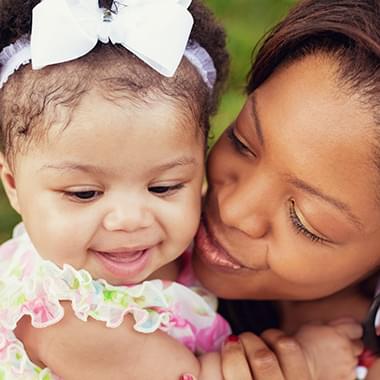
x: 292, y: 212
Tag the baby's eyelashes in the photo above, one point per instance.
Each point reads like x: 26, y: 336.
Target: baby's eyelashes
x: 166, y: 190
x: 83, y: 195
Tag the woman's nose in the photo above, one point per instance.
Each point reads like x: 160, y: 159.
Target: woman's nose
x: 128, y: 216
x: 244, y: 205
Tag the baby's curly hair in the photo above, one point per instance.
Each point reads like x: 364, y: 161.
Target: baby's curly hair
x: 30, y: 97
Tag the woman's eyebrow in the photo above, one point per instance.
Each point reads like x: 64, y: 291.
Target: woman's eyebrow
x: 256, y: 119
x: 341, y: 206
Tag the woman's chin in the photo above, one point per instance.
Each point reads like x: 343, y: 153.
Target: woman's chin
x: 234, y: 284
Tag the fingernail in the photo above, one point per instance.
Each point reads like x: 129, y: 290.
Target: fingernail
x: 187, y: 377
x: 366, y: 358
x: 231, y: 339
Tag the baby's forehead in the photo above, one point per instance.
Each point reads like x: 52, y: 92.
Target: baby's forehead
x: 113, y: 140
x: 153, y: 111
x: 96, y: 116
x: 54, y: 94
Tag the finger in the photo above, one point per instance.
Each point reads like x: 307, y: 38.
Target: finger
x: 289, y: 354
x: 349, y: 329
x: 234, y: 362
x: 262, y: 361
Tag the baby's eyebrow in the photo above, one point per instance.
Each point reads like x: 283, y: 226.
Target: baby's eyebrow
x: 93, y: 169
x: 68, y: 165
x: 181, y: 161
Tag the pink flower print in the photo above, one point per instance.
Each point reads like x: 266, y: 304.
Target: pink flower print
x: 178, y: 321
x: 211, y: 338
x: 183, y: 330
x: 179, y: 327
x: 42, y: 311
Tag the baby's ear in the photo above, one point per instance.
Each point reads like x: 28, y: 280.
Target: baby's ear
x: 9, y: 183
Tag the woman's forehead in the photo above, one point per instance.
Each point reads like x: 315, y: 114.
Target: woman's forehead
x: 309, y: 132
x: 307, y: 100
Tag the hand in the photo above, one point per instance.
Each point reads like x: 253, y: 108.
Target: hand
x: 332, y: 350
x: 31, y: 340
x: 273, y: 356
x: 210, y: 368
x: 75, y: 350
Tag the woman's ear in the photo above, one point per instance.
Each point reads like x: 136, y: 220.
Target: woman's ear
x: 9, y: 183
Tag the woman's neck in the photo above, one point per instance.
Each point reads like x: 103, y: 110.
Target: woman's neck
x: 350, y: 302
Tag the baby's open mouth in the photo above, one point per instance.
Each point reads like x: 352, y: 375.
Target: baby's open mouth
x: 124, y: 264
x: 122, y: 257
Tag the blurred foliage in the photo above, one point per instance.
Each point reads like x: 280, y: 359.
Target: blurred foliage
x: 8, y: 218
x: 246, y: 21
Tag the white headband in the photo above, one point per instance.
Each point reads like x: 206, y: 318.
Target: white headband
x: 64, y: 30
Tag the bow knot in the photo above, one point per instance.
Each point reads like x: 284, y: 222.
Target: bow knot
x: 104, y: 26
x: 156, y: 31
x: 107, y: 15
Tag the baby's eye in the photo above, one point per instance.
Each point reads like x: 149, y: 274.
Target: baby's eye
x: 83, y: 196
x: 165, y: 190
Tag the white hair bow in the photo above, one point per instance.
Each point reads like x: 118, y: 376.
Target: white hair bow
x: 156, y: 31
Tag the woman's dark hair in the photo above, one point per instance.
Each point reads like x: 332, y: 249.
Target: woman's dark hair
x: 347, y: 30
x: 117, y: 72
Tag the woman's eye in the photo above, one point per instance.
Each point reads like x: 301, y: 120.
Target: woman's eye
x: 81, y: 196
x: 165, y: 190
x: 300, y: 227
x: 238, y: 144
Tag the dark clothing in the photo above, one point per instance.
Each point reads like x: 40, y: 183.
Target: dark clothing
x: 253, y: 316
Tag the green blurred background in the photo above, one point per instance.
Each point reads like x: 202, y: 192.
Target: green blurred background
x: 245, y: 21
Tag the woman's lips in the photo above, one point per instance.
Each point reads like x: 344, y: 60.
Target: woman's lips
x: 125, y: 265
x: 213, y: 253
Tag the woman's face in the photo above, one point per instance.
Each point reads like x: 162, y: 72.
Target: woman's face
x: 292, y: 210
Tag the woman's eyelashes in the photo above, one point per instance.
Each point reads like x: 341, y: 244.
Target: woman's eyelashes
x: 238, y: 145
x: 300, y: 227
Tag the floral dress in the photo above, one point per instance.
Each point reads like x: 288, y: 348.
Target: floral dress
x: 30, y: 285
